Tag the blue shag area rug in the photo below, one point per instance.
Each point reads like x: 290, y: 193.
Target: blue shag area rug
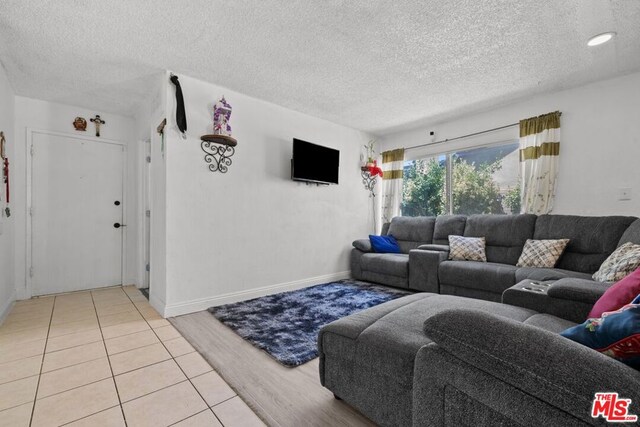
x: 286, y: 325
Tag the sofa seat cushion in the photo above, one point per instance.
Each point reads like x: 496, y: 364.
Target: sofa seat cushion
x: 385, y: 279
x: 387, y: 264
x: 389, y: 344
x: 545, y: 274
x: 487, y: 276
x: 434, y: 247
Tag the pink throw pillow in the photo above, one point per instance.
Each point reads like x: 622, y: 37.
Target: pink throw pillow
x: 618, y: 295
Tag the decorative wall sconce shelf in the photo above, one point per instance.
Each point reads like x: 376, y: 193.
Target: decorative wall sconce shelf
x: 368, y: 180
x: 218, y: 150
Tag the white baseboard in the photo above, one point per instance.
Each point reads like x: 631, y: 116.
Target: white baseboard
x: 204, y: 303
x: 7, y: 306
x: 158, y: 304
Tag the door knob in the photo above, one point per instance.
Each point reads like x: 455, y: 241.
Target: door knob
x: 117, y: 203
x: 118, y: 225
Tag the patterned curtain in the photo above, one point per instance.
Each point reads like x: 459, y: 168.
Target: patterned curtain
x: 539, y: 156
x: 392, y: 166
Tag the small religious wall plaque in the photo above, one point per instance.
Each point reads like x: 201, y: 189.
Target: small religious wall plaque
x: 80, y: 124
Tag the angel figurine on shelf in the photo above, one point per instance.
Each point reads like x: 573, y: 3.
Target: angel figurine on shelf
x: 221, y: 117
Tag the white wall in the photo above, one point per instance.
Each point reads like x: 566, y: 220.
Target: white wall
x: 48, y: 116
x: 7, y: 273
x: 151, y: 112
x: 600, y: 144
x: 253, y: 230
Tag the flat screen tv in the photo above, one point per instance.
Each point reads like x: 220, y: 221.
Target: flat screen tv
x: 314, y: 163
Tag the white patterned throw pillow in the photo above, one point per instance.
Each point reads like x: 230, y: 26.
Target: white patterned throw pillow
x: 542, y: 253
x: 467, y: 248
x: 622, y: 262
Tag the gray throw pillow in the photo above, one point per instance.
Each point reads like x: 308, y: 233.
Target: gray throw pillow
x: 542, y: 253
x: 622, y: 262
x: 467, y: 248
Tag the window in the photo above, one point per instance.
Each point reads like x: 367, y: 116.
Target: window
x: 475, y: 181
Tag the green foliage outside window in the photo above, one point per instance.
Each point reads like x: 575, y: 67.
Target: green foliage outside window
x: 424, y: 189
x: 474, y: 189
x: 512, y: 199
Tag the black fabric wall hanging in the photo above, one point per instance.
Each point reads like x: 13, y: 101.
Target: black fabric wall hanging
x: 181, y: 117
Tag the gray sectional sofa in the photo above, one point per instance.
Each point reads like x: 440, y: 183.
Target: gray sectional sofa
x: 430, y: 359
x: 443, y: 360
x: 423, y: 264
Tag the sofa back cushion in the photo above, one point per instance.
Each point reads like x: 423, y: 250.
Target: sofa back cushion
x: 591, y: 239
x: 411, y: 232
x: 505, y: 234
x: 448, y: 225
x: 385, y: 229
x: 631, y: 234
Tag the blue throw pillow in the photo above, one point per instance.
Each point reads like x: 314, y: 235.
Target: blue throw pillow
x: 616, y: 333
x: 384, y: 244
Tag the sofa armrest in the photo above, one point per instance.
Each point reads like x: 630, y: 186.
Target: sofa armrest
x: 363, y: 244
x: 583, y: 290
x: 423, y: 269
x: 539, y: 363
x: 434, y: 247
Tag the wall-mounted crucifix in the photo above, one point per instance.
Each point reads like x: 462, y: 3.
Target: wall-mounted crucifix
x: 98, y: 122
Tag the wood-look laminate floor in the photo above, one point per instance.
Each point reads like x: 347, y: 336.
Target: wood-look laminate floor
x: 279, y: 395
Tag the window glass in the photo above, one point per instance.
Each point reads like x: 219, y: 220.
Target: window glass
x: 424, y: 187
x: 483, y: 178
x: 480, y: 180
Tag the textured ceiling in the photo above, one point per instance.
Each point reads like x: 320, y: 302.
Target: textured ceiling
x: 378, y: 66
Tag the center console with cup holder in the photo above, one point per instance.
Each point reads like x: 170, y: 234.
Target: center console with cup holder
x: 568, y: 298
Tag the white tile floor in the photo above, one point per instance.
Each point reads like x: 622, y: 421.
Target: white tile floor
x: 106, y: 358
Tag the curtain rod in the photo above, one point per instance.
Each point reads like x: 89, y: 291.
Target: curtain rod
x: 464, y: 136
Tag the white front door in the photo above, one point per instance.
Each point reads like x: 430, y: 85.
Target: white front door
x: 77, y: 200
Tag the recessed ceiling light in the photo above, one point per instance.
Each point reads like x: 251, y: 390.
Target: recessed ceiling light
x: 600, y: 38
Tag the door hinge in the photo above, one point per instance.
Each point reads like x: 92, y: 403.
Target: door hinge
x: 148, y: 213
x: 32, y: 151
x: 31, y: 211
x: 148, y: 267
x: 148, y: 159
x: 30, y: 271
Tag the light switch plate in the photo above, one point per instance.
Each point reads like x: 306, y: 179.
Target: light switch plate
x: 624, y: 193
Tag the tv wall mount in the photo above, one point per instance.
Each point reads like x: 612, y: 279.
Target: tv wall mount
x: 218, y: 151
